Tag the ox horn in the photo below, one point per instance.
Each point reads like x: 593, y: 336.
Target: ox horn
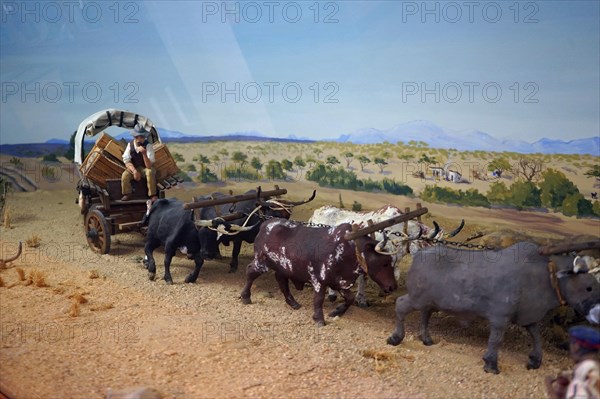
x: 435, y: 232
x: 457, y: 230
x: 6, y: 261
x: 296, y: 203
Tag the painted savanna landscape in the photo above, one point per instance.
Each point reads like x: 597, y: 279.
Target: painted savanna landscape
x: 89, y: 323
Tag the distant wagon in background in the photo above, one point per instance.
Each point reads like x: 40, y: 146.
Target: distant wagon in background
x: 100, y: 184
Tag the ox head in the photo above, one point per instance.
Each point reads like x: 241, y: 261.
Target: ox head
x: 220, y: 226
x: 579, y: 284
x: 379, y: 266
x: 280, y: 208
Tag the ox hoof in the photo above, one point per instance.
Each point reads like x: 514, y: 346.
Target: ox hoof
x: 491, y: 368
x: 362, y: 304
x: 232, y: 269
x: 321, y: 323
x: 151, y: 276
x: 427, y: 341
x: 534, y: 364
x: 394, y: 340
x: 190, y: 279
x: 332, y: 297
x: 246, y: 301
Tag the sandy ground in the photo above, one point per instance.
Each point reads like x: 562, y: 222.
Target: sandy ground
x: 199, y: 341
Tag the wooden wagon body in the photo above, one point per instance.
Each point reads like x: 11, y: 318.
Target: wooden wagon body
x: 100, y: 185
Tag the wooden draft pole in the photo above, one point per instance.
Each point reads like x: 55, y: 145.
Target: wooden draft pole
x: 233, y: 199
x: 567, y: 247
x: 386, y: 223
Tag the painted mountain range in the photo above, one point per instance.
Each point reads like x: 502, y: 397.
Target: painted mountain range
x: 471, y: 140
x: 418, y: 131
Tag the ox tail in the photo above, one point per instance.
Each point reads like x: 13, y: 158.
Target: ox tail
x: 150, y: 207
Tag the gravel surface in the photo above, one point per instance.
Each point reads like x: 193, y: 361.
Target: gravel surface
x: 88, y: 323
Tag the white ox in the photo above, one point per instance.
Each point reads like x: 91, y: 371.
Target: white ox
x: 396, y: 245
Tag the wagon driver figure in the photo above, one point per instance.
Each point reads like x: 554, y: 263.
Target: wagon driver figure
x: 138, y: 158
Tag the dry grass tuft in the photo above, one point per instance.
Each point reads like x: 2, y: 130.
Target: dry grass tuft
x: 20, y: 273
x: 78, y: 297
x: 58, y: 290
x: 378, y: 355
x: 102, y: 306
x: 1, y: 282
x: 37, y: 278
x: 7, y: 218
x: 33, y: 241
x: 92, y: 274
x: 74, y: 310
x: 383, y: 360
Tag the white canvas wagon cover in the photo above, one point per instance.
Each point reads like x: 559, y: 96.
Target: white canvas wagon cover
x: 100, y: 121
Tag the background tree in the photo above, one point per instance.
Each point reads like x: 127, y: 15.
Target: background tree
x: 593, y: 172
x: 178, y: 157
x: 426, y: 160
x: 525, y: 194
x: 349, y: 157
x: 239, y: 159
x: 275, y: 170
x: 287, y: 165
x: 528, y: 169
x: 256, y: 164
x: 381, y: 163
x: 499, y: 165
x: 299, y: 163
x: 363, y: 161
x: 17, y: 163
x: 332, y: 160
x: 70, y: 153
x: 576, y: 205
x: 203, y: 161
x: 311, y: 161
x: 555, y: 187
x: 499, y: 193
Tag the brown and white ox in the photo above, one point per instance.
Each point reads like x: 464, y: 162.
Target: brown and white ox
x: 320, y: 256
x: 398, y: 244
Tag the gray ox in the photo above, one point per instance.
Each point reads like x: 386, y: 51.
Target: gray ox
x: 320, y: 256
x: 398, y: 245
x: 512, y: 285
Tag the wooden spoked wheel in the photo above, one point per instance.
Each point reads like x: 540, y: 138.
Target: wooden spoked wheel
x: 97, y: 231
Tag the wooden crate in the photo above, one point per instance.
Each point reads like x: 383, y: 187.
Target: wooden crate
x: 115, y: 149
x: 164, y: 164
x: 99, y: 166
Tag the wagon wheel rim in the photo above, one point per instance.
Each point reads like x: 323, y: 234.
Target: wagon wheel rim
x: 97, y: 232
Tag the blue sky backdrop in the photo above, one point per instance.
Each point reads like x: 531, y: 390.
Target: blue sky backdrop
x: 517, y: 70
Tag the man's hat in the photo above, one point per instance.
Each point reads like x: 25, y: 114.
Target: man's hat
x: 139, y: 130
x: 586, y: 337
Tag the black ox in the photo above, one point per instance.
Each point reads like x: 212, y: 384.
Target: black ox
x: 173, y: 227
x: 253, y: 212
